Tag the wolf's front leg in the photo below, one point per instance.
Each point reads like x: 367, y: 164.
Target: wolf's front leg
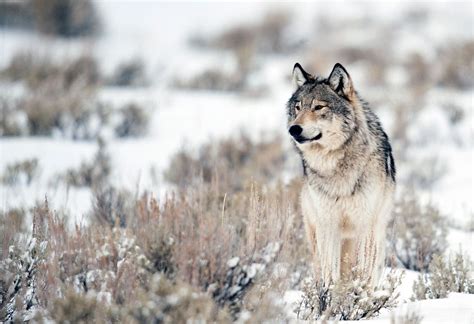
x: 311, y: 238
x: 370, y: 255
x: 329, y: 251
x: 348, y: 257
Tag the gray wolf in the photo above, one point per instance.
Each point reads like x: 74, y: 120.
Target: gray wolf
x: 349, y: 175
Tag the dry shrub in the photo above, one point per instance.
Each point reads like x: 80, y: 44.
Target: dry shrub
x: 266, y: 36
x: 65, y: 18
x: 51, y: 110
x: 35, y: 69
x: 443, y: 277
x: 11, y: 120
x: 425, y: 172
x: 353, y: 299
x: 75, y: 307
x: 131, y: 73
x: 208, y: 228
x: 221, y: 245
x: 15, y: 14
x: 61, y: 97
x: 133, y: 121
x: 419, y: 70
x: 220, y: 241
x: 213, y: 79
x: 418, y: 233
x: 167, y: 302
x: 230, y: 163
x: 457, y: 66
x: 96, y: 260
x: 20, y: 270
x: 455, y: 113
x: 23, y: 172
x: 269, y: 36
x: 377, y: 57
x: 92, y: 174
x: 111, y: 206
x: 12, y: 223
x: 18, y: 281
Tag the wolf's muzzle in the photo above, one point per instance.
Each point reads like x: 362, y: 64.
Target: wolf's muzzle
x: 296, y: 131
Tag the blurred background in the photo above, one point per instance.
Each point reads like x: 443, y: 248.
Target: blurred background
x: 150, y: 79
x: 104, y: 102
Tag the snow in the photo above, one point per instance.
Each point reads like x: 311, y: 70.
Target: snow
x: 232, y: 263
x: 457, y: 308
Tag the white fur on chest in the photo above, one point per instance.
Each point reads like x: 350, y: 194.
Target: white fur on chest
x: 357, y: 211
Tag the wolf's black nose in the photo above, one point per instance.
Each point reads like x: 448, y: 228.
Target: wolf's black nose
x: 295, y: 130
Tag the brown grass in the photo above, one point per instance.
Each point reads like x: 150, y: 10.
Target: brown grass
x: 416, y: 233
x: 188, y: 237
x: 230, y: 163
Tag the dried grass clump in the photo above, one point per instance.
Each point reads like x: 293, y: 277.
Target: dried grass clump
x: 353, y: 299
x: 218, y: 227
x: 94, y: 174
x: 61, y: 100
x: 111, y: 206
x: 22, y: 172
x: 133, y: 121
x: 266, y: 36
x: 15, y: 14
x: 221, y: 243
x: 65, y: 18
x: 245, y: 42
x: 213, y: 79
x: 60, y: 97
x: 131, y: 73
x: 12, y: 121
x: 12, y: 224
x: 35, y: 70
x: 426, y: 171
x: 196, y: 254
x: 420, y: 72
x: 62, y: 18
x: 166, y: 302
x: 443, y: 277
x: 19, y: 271
x: 231, y: 163
x: 219, y: 246
x: 457, y: 68
x: 418, y: 233
x: 75, y: 307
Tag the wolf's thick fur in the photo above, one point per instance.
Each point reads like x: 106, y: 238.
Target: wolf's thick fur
x: 349, y: 170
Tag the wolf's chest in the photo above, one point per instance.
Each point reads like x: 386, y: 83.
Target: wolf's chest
x: 347, y: 212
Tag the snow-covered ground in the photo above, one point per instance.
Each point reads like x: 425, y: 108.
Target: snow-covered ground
x: 158, y: 33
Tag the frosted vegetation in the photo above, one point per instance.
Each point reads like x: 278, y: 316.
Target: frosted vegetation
x: 150, y: 178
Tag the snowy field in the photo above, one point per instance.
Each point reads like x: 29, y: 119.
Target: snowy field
x: 436, y: 146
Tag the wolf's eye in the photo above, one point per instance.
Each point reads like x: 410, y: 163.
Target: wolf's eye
x: 297, y: 107
x: 318, y: 107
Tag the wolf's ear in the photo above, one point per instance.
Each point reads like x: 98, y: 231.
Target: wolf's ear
x: 340, y: 81
x: 300, y: 76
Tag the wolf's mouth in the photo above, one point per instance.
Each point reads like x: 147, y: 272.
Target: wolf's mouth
x: 301, y: 139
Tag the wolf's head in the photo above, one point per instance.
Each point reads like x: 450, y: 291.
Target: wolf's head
x: 321, y: 112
